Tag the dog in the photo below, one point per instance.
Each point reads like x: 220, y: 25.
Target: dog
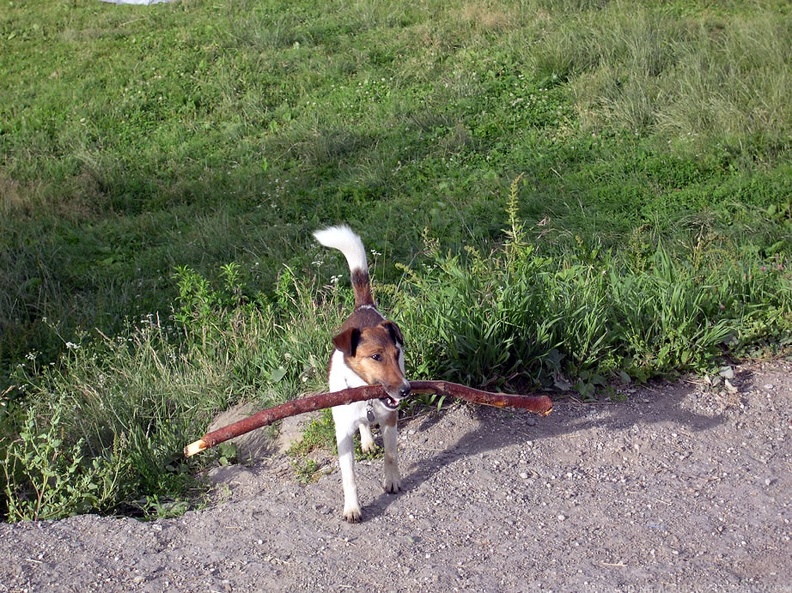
x: 369, y: 350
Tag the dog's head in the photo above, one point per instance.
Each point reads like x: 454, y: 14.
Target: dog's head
x: 375, y: 354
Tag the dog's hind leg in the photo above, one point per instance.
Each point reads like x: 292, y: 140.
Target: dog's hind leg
x: 366, y: 440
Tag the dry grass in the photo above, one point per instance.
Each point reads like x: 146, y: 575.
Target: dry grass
x: 488, y: 16
x: 11, y: 201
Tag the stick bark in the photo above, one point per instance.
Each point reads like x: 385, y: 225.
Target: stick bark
x: 538, y: 404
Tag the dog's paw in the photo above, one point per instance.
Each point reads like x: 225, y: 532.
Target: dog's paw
x: 368, y: 446
x: 392, y: 484
x: 353, y: 515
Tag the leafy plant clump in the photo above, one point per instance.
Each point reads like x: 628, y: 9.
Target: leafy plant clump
x: 46, y: 477
x: 515, y: 316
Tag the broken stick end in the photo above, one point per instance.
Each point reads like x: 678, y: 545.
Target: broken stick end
x: 194, y: 448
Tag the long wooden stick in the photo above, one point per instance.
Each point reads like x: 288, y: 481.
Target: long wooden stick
x: 538, y: 404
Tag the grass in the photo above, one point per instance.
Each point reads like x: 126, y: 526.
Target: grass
x: 161, y: 169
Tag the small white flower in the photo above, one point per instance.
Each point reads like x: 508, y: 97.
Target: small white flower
x: 72, y: 346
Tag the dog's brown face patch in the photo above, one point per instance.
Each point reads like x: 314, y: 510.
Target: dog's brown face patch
x: 373, y: 354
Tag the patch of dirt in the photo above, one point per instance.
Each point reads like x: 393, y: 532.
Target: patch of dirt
x: 681, y: 488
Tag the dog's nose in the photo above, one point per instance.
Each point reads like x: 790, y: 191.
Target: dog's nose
x: 404, y: 391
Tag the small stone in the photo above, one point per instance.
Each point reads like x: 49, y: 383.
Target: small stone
x: 726, y: 372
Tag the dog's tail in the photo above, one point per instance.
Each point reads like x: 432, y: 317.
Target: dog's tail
x: 348, y: 243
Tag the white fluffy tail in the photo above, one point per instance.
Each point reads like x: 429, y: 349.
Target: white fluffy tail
x: 347, y: 242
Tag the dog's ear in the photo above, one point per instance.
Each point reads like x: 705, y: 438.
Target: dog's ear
x: 394, y: 331
x: 347, y: 341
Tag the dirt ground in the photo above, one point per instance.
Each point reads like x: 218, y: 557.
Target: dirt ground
x: 683, y: 487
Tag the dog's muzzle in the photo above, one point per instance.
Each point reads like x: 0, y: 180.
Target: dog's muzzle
x: 393, y: 399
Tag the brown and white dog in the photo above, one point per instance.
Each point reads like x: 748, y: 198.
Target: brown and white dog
x: 369, y: 350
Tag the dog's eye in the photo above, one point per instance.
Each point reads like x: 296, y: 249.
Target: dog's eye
x: 377, y: 357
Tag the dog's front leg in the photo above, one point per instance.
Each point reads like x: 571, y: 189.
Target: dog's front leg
x: 390, y: 435
x: 346, y: 461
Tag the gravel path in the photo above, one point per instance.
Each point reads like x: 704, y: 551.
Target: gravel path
x: 681, y: 488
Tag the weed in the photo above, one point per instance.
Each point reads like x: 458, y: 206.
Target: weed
x: 156, y: 507
x: 318, y: 434
x: 227, y: 453
x: 305, y: 470
x: 46, y: 477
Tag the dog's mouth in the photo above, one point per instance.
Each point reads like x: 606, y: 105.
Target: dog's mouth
x: 395, y: 395
x: 390, y: 403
